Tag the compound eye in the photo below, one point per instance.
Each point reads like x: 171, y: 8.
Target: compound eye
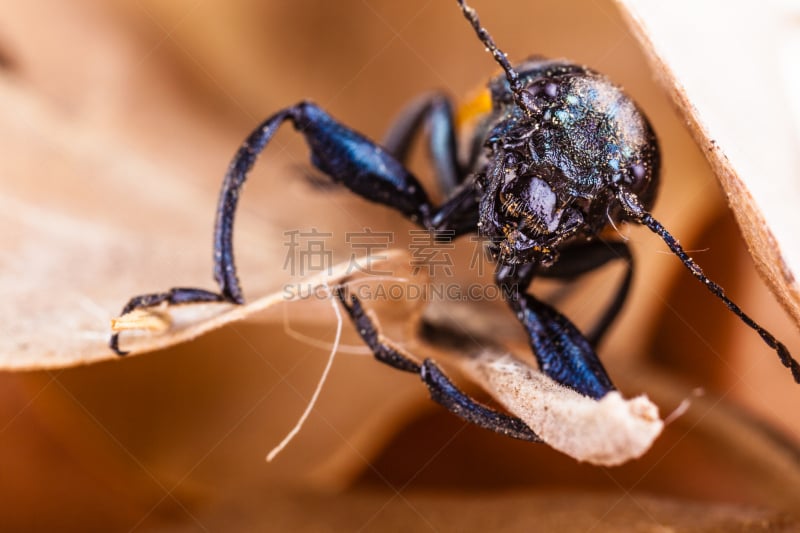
x: 637, y: 177
x: 545, y: 89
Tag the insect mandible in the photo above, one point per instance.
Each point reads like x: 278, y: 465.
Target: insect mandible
x: 560, y: 154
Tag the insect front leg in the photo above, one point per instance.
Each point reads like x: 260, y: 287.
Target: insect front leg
x: 346, y: 157
x: 562, y: 351
x: 583, y: 257
x: 442, y: 390
x: 178, y: 295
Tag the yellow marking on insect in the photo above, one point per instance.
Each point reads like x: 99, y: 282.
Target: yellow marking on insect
x: 512, y: 208
x: 477, y: 105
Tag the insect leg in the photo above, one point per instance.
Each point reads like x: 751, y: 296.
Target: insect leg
x: 178, y: 295
x: 459, y: 213
x: 447, y: 394
x: 434, y: 112
x: 634, y: 209
x: 346, y: 156
x: 584, y: 257
x: 442, y: 390
x: 562, y: 351
x: 383, y: 351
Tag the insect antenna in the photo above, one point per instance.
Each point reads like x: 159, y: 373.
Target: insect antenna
x: 783, y: 353
x: 523, y: 98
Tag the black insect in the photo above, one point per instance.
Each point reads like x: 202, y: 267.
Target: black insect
x: 560, y: 154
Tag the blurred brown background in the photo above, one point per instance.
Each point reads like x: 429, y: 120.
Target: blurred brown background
x: 176, y: 439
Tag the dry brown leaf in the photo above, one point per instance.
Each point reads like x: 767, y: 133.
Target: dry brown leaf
x: 79, y: 242
x: 167, y: 325
x: 77, y: 246
x: 117, y: 122
x: 608, y: 432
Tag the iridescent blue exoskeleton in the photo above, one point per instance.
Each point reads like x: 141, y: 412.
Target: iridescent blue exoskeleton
x: 558, y: 154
